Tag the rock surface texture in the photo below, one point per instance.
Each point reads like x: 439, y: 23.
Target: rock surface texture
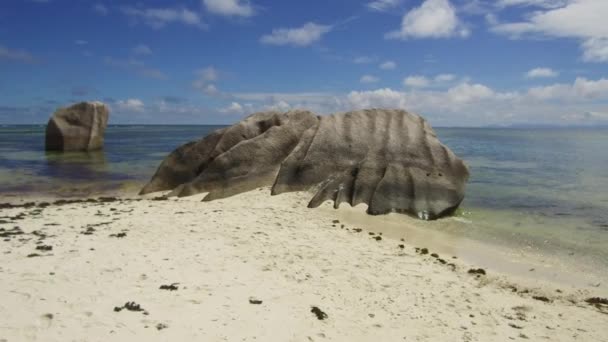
x: 390, y: 160
x: 80, y: 127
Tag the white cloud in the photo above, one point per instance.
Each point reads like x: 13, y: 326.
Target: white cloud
x: 542, y: 73
x: 388, y: 65
x: 233, y: 108
x: 16, y: 55
x: 279, y: 106
x: 205, y: 79
x: 579, y: 19
x: 467, y: 93
x: 595, y: 50
x: 463, y: 104
x: 536, y: 3
x: 380, y: 98
x: 239, y: 8
x: 367, y: 79
x: 383, y: 5
x: 302, y: 36
x: 160, y: 17
x: 432, y: 19
x: 135, y: 105
x: 141, y: 50
x: 417, y: 82
x: 581, y: 90
x: 101, y: 9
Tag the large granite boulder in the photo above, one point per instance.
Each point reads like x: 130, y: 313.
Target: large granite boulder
x: 390, y: 160
x: 80, y: 127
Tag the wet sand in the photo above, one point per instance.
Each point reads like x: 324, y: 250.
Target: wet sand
x: 256, y: 267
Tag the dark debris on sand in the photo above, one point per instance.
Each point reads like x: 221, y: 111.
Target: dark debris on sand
x: 130, y: 306
x: 8, y: 233
x: 255, y: 301
x: 119, y: 235
x: 422, y: 251
x: 477, y: 271
x: 171, y: 287
x: 44, y: 248
x: 542, y: 299
x: 600, y: 303
x: 319, y: 313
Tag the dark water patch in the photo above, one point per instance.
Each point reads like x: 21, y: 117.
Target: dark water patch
x: 131, y: 153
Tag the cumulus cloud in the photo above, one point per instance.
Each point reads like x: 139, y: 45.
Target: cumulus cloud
x: 205, y: 81
x: 416, y: 81
x: 595, y: 49
x: 580, y: 19
x: 367, y: 79
x: 388, y: 65
x: 233, y: 108
x: 134, y: 105
x: 383, y: 5
x: 465, y: 103
x: 477, y: 104
x: 432, y: 19
x: 301, y: 36
x: 160, y: 17
x: 16, y: 55
x: 278, y: 105
x: 467, y: 93
x: 537, y: 3
x: 542, y: 73
x: 239, y: 8
x: 581, y: 90
x: 419, y: 81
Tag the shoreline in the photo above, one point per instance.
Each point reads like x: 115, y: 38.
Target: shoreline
x: 528, y: 265
x: 254, y: 247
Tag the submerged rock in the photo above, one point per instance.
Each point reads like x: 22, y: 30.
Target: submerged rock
x: 80, y: 127
x: 390, y: 160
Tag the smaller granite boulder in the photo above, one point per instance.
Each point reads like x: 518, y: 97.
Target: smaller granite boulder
x: 80, y: 127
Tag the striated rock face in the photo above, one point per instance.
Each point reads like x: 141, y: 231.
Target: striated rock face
x: 390, y: 160
x: 80, y: 127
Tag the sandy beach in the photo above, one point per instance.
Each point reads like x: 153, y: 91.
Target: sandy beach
x: 256, y: 267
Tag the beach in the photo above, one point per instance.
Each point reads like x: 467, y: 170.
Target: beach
x: 266, y: 268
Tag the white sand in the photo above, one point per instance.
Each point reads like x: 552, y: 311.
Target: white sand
x: 273, y: 249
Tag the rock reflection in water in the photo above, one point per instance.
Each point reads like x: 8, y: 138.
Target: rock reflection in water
x: 77, y: 165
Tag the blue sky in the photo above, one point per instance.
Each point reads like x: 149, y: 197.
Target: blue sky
x: 456, y: 62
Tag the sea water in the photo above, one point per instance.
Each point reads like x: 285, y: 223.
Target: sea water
x: 540, y: 188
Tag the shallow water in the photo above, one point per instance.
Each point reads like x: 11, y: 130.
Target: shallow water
x: 545, y: 189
